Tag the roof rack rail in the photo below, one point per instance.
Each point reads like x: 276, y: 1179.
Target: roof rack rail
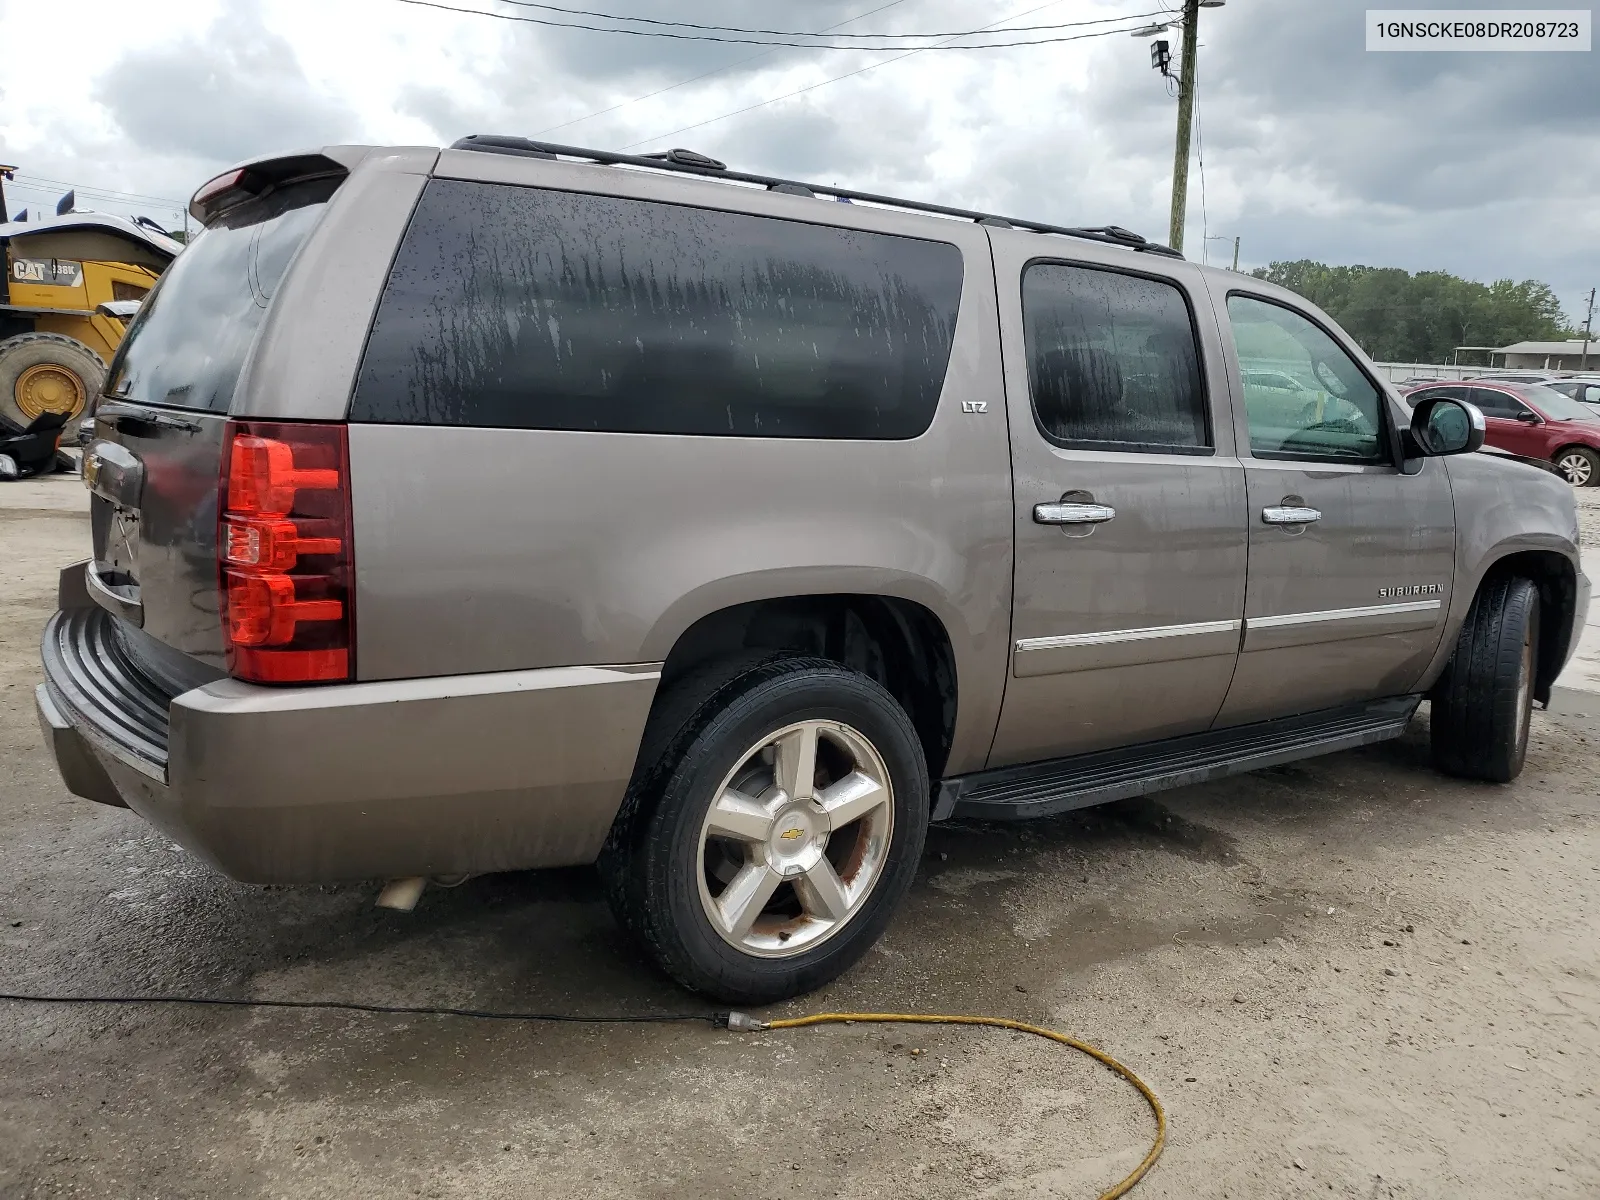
x: 689, y: 162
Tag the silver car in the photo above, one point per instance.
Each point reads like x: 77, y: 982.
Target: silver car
x: 1584, y: 389
x: 516, y: 506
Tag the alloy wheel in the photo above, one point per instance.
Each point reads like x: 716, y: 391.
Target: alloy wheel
x: 795, y: 839
x: 1577, y: 468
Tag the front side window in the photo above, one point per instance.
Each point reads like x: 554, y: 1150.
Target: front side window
x: 1112, y: 362
x: 1556, y: 405
x: 525, y: 308
x: 1320, y: 404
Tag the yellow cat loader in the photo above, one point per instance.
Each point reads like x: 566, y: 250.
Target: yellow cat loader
x: 71, y: 285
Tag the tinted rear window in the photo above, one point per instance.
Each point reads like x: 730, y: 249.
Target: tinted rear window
x: 1112, y: 362
x: 189, y: 342
x: 519, y: 307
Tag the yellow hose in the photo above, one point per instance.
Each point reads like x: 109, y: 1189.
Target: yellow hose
x: 1120, y: 1189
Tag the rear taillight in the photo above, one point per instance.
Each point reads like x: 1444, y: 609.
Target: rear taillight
x: 284, y: 554
x: 224, y: 192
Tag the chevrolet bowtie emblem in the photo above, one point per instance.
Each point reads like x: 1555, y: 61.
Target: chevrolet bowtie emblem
x: 789, y: 835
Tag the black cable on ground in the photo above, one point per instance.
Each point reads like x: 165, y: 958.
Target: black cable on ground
x: 719, y: 1020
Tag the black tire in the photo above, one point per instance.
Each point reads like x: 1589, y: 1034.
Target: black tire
x: 1484, y: 701
x: 651, y: 865
x: 26, y: 350
x: 1579, y: 466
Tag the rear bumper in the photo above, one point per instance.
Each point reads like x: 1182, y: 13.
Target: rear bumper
x: 461, y: 774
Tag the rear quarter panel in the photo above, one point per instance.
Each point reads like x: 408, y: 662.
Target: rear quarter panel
x: 304, y: 363
x: 500, y: 549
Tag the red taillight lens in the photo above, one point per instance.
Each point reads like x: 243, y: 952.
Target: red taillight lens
x: 225, y: 191
x: 283, y: 540
x: 212, y: 188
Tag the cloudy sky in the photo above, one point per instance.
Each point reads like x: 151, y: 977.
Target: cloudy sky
x: 1487, y: 165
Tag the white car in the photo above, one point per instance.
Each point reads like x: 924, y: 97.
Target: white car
x: 1584, y: 389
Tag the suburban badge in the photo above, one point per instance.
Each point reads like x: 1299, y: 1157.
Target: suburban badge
x: 1411, y: 589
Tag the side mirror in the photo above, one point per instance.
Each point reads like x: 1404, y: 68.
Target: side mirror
x: 1529, y: 418
x: 1440, y: 426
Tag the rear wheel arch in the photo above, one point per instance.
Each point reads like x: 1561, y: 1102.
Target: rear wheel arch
x: 899, y: 643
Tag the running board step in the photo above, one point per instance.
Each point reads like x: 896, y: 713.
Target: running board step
x: 1043, y: 789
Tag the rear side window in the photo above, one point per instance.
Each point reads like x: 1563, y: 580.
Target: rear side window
x: 1112, y: 362
x: 1445, y: 393
x: 187, y: 345
x: 1493, y: 403
x: 525, y: 308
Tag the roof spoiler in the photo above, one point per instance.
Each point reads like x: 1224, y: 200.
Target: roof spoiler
x: 262, y: 176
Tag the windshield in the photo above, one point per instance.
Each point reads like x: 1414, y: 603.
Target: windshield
x: 188, y: 344
x: 1555, y: 406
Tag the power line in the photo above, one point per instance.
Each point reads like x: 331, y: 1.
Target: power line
x: 48, y: 197
x: 847, y: 75
x: 583, y: 12
x: 949, y: 44
x: 84, y: 187
x: 706, y: 74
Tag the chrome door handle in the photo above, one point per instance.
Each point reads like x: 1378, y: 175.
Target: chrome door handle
x: 1067, y: 513
x: 1290, y: 515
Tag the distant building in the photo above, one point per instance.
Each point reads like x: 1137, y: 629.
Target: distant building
x: 1549, y: 356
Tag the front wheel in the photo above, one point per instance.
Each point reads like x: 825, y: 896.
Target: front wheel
x: 1579, y: 465
x: 1483, y: 703
x: 768, y: 845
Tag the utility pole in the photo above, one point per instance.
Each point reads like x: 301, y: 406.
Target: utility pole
x: 1588, y: 329
x: 1180, y: 157
x: 1236, y: 254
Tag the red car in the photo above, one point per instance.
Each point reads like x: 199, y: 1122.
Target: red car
x: 1533, y: 421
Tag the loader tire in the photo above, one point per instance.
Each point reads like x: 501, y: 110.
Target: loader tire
x: 47, y: 372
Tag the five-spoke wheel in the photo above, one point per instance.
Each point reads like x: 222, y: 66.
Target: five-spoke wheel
x: 774, y: 822
x: 796, y: 838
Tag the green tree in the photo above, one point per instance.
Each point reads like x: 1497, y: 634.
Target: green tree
x: 1399, y: 317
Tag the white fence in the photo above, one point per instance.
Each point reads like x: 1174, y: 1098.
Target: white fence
x: 1397, y: 372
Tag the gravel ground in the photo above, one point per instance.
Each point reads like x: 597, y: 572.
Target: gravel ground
x: 1346, y: 978
x: 1589, y: 517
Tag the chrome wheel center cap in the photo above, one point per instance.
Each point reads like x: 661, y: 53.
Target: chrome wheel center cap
x: 798, y: 837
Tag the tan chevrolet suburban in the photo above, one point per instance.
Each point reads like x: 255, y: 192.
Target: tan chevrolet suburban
x: 517, y: 505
